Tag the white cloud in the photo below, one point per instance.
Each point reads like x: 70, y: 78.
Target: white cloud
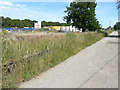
x: 5, y: 3
x: 4, y: 7
x: 20, y: 5
x: 26, y: 13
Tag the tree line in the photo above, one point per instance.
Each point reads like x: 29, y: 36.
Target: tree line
x: 8, y: 23
x: 44, y: 23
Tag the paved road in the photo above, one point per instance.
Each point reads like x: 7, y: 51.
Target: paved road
x: 93, y: 67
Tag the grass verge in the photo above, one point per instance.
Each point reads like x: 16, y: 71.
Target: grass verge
x: 119, y: 33
x: 24, y: 59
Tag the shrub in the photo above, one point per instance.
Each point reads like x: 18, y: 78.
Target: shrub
x: 103, y: 32
x: 5, y: 32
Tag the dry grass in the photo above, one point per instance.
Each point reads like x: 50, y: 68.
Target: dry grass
x: 25, y: 59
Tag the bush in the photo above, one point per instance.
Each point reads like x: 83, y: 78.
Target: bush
x: 103, y: 32
x: 5, y: 32
x: 119, y: 33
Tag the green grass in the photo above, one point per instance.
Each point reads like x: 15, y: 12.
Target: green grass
x: 119, y: 33
x: 109, y: 31
x: 60, y: 47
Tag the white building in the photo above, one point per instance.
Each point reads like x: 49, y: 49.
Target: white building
x: 37, y: 25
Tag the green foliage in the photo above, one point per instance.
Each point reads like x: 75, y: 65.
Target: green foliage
x: 8, y: 23
x: 103, y: 32
x: 82, y: 15
x: 119, y: 33
x: 26, y: 31
x: 44, y: 23
x: 4, y: 32
x: 117, y: 26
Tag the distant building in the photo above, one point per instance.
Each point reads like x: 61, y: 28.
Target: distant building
x: 56, y: 27
x: 26, y: 27
x: 37, y: 25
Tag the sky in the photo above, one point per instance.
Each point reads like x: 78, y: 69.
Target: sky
x: 106, y: 12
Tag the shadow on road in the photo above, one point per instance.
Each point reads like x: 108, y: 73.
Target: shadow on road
x: 113, y: 36
x: 115, y: 43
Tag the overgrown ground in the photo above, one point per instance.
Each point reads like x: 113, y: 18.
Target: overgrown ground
x: 27, y: 56
x: 119, y: 32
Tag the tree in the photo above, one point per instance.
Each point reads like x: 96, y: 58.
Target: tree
x: 82, y: 15
x: 117, y: 26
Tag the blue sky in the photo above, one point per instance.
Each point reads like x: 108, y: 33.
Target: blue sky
x: 106, y: 12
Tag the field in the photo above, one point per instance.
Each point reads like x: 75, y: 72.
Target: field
x: 26, y: 55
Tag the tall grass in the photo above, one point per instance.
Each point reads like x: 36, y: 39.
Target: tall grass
x: 119, y: 33
x: 24, y: 59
